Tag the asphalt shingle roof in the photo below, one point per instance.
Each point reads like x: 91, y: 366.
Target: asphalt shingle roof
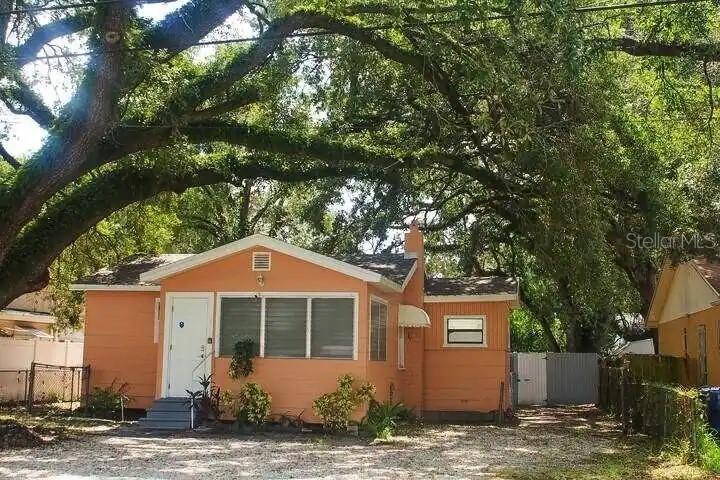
x: 710, y: 270
x: 471, y: 286
x: 128, y: 272
x: 393, y: 266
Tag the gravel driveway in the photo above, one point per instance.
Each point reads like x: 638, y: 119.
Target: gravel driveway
x: 569, y: 436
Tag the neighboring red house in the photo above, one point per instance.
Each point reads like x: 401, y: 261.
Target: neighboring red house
x: 438, y: 345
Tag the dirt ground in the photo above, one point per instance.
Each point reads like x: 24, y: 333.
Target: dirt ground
x: 550, y: 443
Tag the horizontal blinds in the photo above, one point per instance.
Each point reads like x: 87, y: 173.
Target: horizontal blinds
x: 332, y: 327
x: 378, y: 331
x: 285, y: 327
x: 239, y: 319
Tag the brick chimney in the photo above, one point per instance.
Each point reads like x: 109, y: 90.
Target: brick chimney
x: 414, y: 243
x: 415, y: 248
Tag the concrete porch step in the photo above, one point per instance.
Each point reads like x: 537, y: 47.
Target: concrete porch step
x: 167, y: 414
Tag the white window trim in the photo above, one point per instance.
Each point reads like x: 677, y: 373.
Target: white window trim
x: 401, y: 348
x: 465, y: 345
x: 375, y: 298
x: 156, y: 322
x: 269, y: 255
x: 308, y: 324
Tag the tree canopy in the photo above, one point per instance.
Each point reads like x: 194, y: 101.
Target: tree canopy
x: 532, y: 138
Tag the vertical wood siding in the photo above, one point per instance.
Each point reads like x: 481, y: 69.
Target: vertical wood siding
x: 466, y: 378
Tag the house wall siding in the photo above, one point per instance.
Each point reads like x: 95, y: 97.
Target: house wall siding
x: 119, y: 347
x: 466, y: 378
x: 293, y: 383
x: 671, y: 342
x: 385, y: 375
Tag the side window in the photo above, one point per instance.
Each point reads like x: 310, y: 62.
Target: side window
x: 378, y: 330
x: 465, y: 330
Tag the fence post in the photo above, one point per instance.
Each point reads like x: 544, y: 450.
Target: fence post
x: 86, y: 374
x: 31, y: 388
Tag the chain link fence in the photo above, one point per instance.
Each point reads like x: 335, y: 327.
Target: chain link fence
x: 57, y: 386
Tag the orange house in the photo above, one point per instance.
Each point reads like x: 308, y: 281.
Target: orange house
x: 438, y: 345
x: 685, y: 312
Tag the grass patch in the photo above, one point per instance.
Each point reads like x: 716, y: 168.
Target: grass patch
x: 638, y: 462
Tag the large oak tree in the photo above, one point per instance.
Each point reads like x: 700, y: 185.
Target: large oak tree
x: 506, y: 131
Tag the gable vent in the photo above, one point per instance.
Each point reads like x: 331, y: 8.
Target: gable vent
x: 261, y: 261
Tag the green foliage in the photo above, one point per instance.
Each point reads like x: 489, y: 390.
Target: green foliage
x: 335, y: 408
x: 382, y: 419
x: 709, y: 451
x: 107, y: 402
x: 526, y: 333
x: 250, y: 405
x: 241, y: 365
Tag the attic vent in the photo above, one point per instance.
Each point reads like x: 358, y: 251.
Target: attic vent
x: 261, y: 261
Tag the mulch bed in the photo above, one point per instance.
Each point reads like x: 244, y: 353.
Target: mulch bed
x: 16, y: 435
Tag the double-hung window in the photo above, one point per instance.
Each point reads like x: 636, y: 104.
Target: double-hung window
x: 295, y: 326
x: 465, y: 330
x: 378, y: 330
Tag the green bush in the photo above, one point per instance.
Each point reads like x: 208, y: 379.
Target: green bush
x: 107, y: 402
x: 709, y: 451
x: 382, y: 419
x: 250, y: 405
x: 335, y: 408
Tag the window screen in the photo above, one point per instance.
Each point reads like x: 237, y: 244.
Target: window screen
x: 465, y: 331
x: 332, y: 327
x: 239, y: 318
x: 378, y: 331
x: 285, y: 327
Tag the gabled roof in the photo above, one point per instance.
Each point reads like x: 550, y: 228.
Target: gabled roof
x: 684, y: 289
x: 145, y: 271
x: 471, y: 288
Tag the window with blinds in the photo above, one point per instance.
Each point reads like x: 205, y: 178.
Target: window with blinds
x: 317, y: 327
x: 285, y: 327
x: 378, y: 331
x: 239, y: 318
x: 332, y: 332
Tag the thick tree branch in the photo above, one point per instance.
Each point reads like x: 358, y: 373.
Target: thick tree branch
x: 122, y: 186
x: 632, y: 46
x: 190, y: 23
x: 20, y: 99
x: 47, y: 33
x: 9, y: 158
x: 92, y: 111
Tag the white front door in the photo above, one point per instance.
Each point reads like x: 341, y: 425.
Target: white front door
x: 187, y: 346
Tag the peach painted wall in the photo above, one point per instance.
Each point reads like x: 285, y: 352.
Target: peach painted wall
x: 384, y: 374
x: 119, y: 331
x: 671, y: 342
x: 466, y: 378
x: 293, y: 383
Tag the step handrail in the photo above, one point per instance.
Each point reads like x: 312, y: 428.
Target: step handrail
x: 203, y: 360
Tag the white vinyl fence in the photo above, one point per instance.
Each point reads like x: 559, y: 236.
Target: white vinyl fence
x: 17, y: 356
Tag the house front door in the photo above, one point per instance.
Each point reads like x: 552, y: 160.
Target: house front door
x: 187, y: 347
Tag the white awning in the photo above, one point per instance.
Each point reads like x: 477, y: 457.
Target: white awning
x: 411, y: 316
